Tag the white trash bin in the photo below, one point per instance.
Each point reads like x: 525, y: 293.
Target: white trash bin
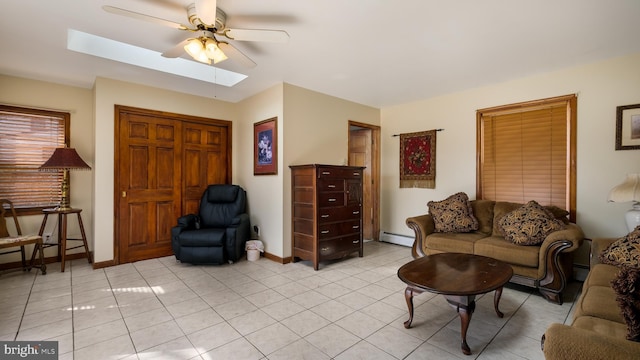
x: 254, y: 248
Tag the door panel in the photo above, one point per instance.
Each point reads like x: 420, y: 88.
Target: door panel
x: 205, y: 161
x: 147, y: 145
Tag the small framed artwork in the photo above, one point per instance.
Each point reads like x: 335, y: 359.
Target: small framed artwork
x: 265, y: 147
x: 628, y: 127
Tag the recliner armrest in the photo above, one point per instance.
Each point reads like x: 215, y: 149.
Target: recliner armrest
x: 236, y: 221
x: 188, y: 222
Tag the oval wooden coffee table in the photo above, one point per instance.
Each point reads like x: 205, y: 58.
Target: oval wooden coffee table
x: 459, y: 277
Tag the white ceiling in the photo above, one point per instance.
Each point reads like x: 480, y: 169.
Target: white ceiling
x: 374, y: 52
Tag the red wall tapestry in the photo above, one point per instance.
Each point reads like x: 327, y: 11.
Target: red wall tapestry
x: 418, y: 159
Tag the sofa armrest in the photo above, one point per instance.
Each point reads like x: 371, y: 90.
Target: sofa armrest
x: 572, y: 234
x: 422, y: 226
x: 553, y: 271
x: 562, y: 342
x: 597, y: 247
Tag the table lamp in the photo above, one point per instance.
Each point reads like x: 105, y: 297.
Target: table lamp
x: 64, y: 159
x: 629, y: 190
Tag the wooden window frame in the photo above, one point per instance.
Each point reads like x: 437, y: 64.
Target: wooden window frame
x: 33, y: 158
x: 571, y: 141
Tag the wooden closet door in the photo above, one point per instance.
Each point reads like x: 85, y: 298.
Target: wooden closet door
x: 148, y: 200
x: 205, y: 161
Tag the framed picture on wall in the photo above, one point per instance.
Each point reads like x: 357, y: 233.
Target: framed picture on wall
x: 628, y: 127
x: 265, y: 148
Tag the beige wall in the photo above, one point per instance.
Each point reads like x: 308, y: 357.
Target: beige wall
x: 265, y: 192
x: 109, y: 93
x: 79, y: 103
x: 600, y: 88
x: 316, y: 131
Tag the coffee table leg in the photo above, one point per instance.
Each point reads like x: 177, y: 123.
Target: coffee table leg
x: 496, y: 301
x: 409, y: 292
x: 465, y: 313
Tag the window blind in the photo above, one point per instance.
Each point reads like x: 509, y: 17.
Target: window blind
x: 525, y: 153
x: 29, y: 137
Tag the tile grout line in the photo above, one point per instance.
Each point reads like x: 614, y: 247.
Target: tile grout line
x: 24, y: 311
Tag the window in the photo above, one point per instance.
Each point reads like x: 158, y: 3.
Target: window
x: 29, y: 137
x: 527, y: 151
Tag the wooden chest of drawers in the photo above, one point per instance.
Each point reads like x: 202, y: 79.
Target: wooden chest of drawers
x: 326, y: 212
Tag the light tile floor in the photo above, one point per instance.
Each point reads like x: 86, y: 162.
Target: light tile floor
x: 353, y: 308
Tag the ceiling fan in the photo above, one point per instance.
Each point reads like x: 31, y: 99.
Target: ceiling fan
x: 209, y: 23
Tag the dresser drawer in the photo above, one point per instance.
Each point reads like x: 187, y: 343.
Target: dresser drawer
x: 330, y: 184
x: 339, y: 214
x: 331, y: 199
x: 330, y: 172
x: 326, y: 231
x: 343, y: 245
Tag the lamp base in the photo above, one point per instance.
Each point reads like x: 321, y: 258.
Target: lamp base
x: 633, y: 217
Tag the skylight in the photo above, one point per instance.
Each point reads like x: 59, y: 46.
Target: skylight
x: 114, y: 50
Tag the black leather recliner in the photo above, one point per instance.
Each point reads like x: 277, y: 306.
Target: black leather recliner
x: 218, y: 233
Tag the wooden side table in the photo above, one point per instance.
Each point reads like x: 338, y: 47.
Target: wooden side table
x: 62, y: 233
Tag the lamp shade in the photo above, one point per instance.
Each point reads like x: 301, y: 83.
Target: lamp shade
x: 65, y: 159
x: 628, y: 190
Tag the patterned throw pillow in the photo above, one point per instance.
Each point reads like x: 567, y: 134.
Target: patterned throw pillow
x: 624, y: 251
x: 453, y: 214
x: 529, y: 224
x: 627, y: 287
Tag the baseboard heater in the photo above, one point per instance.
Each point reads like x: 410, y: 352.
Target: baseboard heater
x: 398, y: 239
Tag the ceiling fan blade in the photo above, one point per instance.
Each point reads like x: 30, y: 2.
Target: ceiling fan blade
x: 176, y: 51
x: 257, y: 35
x: 236, y: 55
x: 206, y: 10
x: 144, y: 17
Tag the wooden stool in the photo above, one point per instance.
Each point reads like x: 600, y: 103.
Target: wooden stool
x: 62, y: 233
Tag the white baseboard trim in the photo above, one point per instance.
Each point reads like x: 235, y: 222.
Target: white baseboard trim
x: 397, y: 239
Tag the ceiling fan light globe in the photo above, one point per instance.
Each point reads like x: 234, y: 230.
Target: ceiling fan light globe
x: 213, y: 51
x: 195, y: 48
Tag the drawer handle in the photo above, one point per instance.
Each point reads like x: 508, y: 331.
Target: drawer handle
x: 332, y: 200
x: 324, y: 216
x: 356, y: 174
x: 324, y: 232
x: 355, y: 227
x: 326, y: 173
x: 355, y: 241
x: 324, y: 249
x: 356, y: 212
x: 331, y: 186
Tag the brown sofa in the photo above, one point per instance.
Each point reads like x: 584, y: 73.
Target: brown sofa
x: 598, y: 330
x: 547, y: 266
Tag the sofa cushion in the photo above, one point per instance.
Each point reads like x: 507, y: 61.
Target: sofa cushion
x: 499, y: 248
x: 627, y: 288
x: 483, y: 212
x: 601, y: 275
x: 453, y: 242
x: 501, y: 209
x: 600, y: 302
x: 453, y: 214
x: 529, y: 225
x: 558, y: 213
x: 624, y: 251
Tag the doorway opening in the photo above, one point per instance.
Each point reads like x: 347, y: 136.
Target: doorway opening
x: 364, y: 150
